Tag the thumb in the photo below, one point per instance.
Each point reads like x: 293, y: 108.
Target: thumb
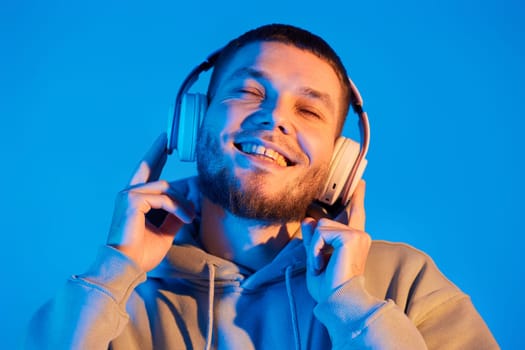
x: 151, y: 165
x: 357, y: 215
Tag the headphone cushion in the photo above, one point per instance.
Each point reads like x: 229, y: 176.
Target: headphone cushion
x: 192, y: 110
x: 343, y: 160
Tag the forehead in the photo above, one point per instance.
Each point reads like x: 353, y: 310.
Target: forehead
x: 284, y: 64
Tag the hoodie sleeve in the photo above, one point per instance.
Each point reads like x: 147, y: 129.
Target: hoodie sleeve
x: 89, y: 311
x: 404, y: 302
x: 355, y: 319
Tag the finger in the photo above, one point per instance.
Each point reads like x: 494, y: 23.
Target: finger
x: 354, y: 213
x: 171, y: 224
x: 351, y: 249
x: 181, y: 191
x: 307, y: 230
x: 161, y: 187
x: 308, y: 226
x: 155, y: 216
x: 189, y: 188
x: 145, y: 202
x: 151, y: 165
x: 357, y: 217
x: 318, y: 252
x: 155, y: 187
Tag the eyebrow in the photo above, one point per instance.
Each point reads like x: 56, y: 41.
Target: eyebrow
x: 247, y: 72
x: 317, y: 95
x: 303, y: 91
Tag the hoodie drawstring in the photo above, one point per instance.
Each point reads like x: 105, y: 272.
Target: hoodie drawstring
x: 293, y: 311
x: 211, y: 300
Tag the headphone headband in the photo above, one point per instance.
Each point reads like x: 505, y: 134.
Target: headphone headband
x: 183, y: 90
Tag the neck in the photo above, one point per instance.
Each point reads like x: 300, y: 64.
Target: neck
x: 247, y: 242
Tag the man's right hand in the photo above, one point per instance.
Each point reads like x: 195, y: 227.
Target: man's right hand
x: 130, y: 231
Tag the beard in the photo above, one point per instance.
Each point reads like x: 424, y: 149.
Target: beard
x: 246, y: 198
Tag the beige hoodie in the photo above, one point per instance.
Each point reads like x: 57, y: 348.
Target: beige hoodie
x: 194, y: 300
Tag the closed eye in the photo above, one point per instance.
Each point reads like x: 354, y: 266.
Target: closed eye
x: 251, y: 93
x: 309, y: 112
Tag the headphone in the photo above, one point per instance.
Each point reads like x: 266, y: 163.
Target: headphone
x: 348, y: 160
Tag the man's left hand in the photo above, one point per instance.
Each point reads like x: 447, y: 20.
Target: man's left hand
x: 336, y: 250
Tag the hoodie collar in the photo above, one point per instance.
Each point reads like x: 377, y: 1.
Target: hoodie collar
x: 187, y: 260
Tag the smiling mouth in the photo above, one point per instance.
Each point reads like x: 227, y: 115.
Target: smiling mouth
x: 265, y: 153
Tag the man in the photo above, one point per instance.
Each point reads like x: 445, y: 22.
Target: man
x: 235, y: 264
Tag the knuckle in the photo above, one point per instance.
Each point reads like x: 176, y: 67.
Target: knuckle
x: 168, y: 200
x: 365, y: 238
x: 324, y: 222
x: 164, y: 184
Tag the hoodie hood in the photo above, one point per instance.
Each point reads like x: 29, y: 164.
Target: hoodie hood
x: 187, y: 260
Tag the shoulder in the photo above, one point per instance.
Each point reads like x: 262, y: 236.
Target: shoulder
x: 401, y: 272
x: 399, y: 253
x: 392, y: 256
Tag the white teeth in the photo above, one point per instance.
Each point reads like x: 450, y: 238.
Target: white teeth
x: 259, y: 150
x: 252, y: 148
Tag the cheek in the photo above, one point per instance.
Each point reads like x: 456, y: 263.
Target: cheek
x: 317, y: 148
x: 215, y: 123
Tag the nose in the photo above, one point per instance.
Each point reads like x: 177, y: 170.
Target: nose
x: 273, y: 115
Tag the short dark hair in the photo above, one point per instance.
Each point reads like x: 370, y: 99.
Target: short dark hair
x: 291, y: 35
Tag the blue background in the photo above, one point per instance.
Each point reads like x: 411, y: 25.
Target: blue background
x: 85, y: 89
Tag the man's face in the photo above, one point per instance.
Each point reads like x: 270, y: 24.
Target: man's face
x: 269, y: 132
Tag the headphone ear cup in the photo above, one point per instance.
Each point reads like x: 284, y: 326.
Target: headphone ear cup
x: 351, y: 184
x: 338, y: 184
x: 192, y: 110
